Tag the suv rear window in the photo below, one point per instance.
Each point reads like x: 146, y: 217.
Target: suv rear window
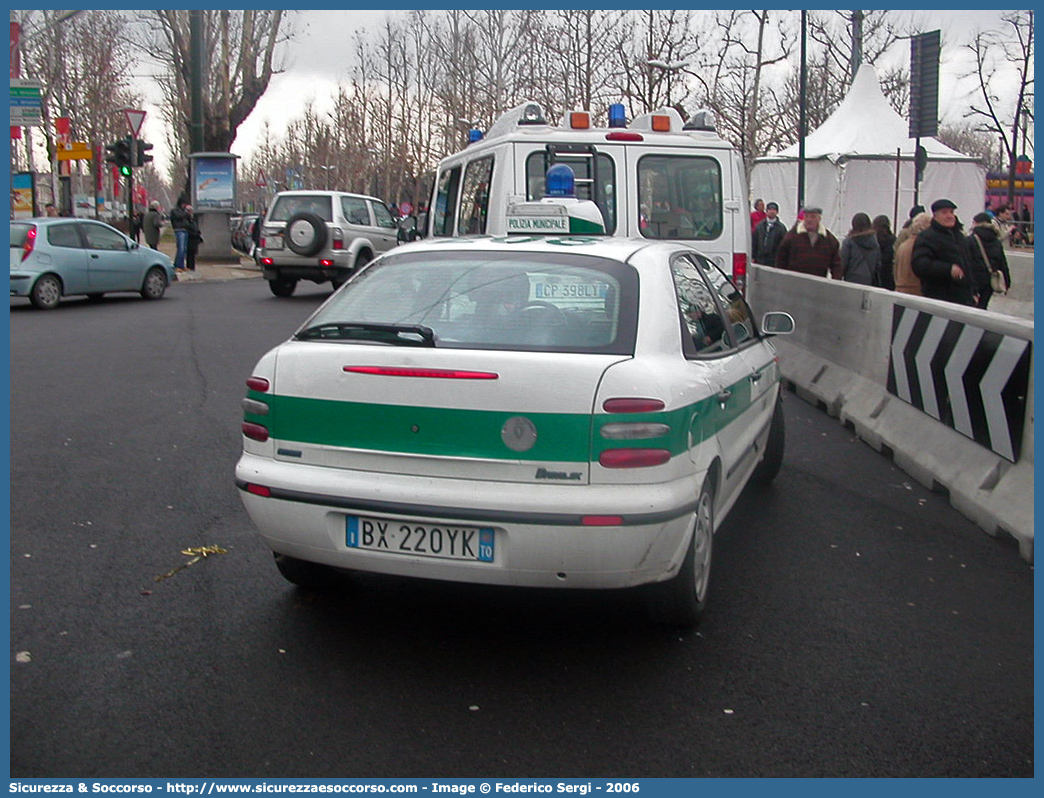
x: 486, y: 300
x: 292, y: 204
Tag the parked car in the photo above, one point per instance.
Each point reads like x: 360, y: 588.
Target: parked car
x: 57, y: 257
x: 241, y: 239
x: 571, y: 413
x: 322, y: 236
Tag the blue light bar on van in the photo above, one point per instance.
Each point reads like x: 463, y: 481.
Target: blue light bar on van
x: 617, y: 115
x: 474, y: 135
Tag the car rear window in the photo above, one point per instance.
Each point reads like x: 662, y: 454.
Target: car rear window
x: 554, y: 302
x: 287, y: 206
x: 18, y: 234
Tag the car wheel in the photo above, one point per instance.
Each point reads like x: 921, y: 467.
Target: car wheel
x: 362, y: 259
x: 46, y: 293
x: 337, y: 282
x: 682, y: 600
x: 305, y: 234
x: 155, y: 284
x: 303, y: 573
x: 282, y: 286
x: 770, y: 464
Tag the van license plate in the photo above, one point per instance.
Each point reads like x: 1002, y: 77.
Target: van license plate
x: 440, y: 541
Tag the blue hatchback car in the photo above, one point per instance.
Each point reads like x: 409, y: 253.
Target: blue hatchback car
x: 53, y: 258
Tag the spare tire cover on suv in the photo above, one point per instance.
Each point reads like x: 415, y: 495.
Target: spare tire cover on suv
x: 305, y: 233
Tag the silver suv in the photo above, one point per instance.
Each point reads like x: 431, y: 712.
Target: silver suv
x: 322, y: 236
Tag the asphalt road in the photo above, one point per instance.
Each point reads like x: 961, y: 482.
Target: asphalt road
x: 859, y: 626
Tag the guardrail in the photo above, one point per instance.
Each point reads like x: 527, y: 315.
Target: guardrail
x: 946, y: 391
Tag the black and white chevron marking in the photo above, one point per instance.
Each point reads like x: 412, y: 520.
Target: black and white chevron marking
x: 971, y: 379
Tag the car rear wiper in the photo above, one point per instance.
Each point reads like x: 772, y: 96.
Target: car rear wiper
x: 376, y: 332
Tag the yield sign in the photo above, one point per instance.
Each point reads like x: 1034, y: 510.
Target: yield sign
x: 261, y: 182
x: 134, y: 119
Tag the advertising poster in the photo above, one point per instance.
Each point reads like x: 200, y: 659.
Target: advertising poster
x: 214, y: 183
x: 22, y: 195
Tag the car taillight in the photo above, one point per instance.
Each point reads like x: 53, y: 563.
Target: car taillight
x: 632, y: 405
x: 266, y: 261
x: 30, y: 242
x: 258, y: 384
x: 739, y: 271
x: 258, y: 490
x: 633, y: 458
x: 255, y: 432
x: 337, y: 238
x: 261, y: 242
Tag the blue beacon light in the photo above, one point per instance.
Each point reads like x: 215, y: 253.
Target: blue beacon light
x: 617, y: 115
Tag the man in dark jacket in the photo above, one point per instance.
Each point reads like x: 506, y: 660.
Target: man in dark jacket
x: 810, y: 248
x: 985, y: 231
x: 940, y: 257
x: 768, y: 235
x: 179, y: 222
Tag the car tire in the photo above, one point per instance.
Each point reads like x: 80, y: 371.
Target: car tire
x: 155, y: 284
x: 681, y: 601
x: 282, y: 286
x: 362, y: 259
x: 305, y: 234
x: 46, y: 293
x: 303, y: 573
x: 770, y: 464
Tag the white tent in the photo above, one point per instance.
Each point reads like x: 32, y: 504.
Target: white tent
x: 851, y: 162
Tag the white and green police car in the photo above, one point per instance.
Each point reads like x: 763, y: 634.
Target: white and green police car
x: 553, y: 412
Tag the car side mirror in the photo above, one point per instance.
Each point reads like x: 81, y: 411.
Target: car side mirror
x: 777, y: 323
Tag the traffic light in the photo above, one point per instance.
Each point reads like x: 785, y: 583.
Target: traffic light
x: 120, y: 155
x: 143, y: 158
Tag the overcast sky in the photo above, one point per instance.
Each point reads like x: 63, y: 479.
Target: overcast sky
x: 317, y: 60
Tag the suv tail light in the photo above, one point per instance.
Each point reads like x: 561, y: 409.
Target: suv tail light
x: 30, y: 241
x: 336, y: 238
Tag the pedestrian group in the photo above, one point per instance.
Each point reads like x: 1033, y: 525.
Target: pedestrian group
x: 931, y: 256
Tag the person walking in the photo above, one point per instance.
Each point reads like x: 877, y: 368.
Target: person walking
x: 151, y: 224
x: 940, y: 257
x: 886, y: 241
x: 810, y: 248
x: 768, y: 235
x: 906, y: 282
x: 985, y: 256
x: 179, y: 224
x: 194, y: 239
x: 860, y: 253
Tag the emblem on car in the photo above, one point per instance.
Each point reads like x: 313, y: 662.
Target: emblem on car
x: 519, y: 434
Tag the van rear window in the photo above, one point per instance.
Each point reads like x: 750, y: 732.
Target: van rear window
x: 594, y: 175
x: 679, y: 197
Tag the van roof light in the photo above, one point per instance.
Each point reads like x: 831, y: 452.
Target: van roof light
x: 703, y: 119
x: 617, y: 115
x: 474, y: 135
x: 579, y: 120
x: 532, y: 114
x: 661, y: 120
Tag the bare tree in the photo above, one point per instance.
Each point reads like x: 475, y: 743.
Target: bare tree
x: 667, y: 36
x: 1010, y: 47
x: 240, y: 50
x: 736, y: 85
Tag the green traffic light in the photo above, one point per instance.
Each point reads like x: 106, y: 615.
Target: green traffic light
x: 125, y: 171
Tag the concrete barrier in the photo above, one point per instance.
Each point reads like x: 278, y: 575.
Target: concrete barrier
x: 847, y: 356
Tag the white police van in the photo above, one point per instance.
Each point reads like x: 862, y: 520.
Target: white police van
x: 656, y: 178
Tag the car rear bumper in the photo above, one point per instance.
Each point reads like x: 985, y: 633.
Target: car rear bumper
x: 544, y: 535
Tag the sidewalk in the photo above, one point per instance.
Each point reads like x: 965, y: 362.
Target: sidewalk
x: 243, y: 270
